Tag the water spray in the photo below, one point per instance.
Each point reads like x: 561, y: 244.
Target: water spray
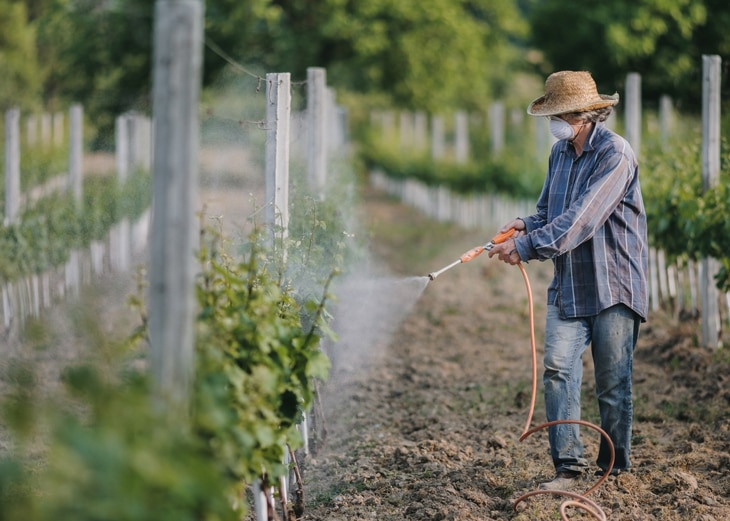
x: 475, y: 252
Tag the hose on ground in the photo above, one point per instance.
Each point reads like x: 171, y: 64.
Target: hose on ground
x: 578, y: 501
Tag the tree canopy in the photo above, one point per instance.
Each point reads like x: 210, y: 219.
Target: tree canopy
x: 97, y: 53
x: 20, y: 77
x: 420, y: 54
x: 426, y: 54
x: 663, y: 40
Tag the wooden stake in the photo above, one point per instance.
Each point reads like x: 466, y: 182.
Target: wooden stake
x: 178, y: 61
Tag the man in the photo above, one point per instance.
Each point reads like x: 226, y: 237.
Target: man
x: 591, y: 223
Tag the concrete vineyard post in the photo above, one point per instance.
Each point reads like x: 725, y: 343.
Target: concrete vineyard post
x: 543, y: 139
x: 132, y: 141
x: 710, y: 121
x: 387, y: 124
x: 710, y: 179
x: 46, y: 133
x: 72, y: 273
x: 317, y: 119
x: 666, y: 119
x: 178, y: 60
x: 405, y: 130
x: 461, y: 137
x: 31, y: 131
x: 121, y: 152
x: 496, y: 126
x: 278, y: 115
x: 653, y: 280
x: 633, y: 111
x: 57, y: 127
x: 337, y: 127
x: 76, y: 152
x: 437, y: 138
x: 12, y: 164
x: 420, y: 131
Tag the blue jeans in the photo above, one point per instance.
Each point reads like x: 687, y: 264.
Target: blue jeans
x: 612, y: 335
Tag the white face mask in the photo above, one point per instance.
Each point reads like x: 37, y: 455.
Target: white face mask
x: 561, y: 129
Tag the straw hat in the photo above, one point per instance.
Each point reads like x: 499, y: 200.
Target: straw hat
x: 569, y: 91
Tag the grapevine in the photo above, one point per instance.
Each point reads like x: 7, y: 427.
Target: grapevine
x: 256, y: 365
x: 684, y: 220
x: 52, y: 227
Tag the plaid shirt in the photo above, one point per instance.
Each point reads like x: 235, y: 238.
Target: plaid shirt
x: 591, y: 222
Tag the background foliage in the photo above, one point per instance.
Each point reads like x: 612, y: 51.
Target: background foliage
x: 428, y: 55
x: 683, y: 219
x: 21, y: 78
x: 660, y: 39
x: 49, y: 229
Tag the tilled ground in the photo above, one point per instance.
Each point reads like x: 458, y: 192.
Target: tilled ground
x: 424, y: 423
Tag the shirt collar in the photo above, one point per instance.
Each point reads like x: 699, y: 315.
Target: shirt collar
x: 588, y: 145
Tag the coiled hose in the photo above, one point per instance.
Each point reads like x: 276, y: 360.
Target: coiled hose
x: 575, y: 500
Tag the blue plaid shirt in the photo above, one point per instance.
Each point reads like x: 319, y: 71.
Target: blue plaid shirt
x: 591, y: 222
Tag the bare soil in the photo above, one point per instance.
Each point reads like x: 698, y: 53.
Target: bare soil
x: 429, y: 429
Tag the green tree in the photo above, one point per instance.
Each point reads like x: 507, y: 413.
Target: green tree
x: 100, y: 52
x: 97, y: 53
x: 427, y: 54
x: 19, y: 81
x: 712, y: 37
x: 655, y: 38
x: 240, y: 28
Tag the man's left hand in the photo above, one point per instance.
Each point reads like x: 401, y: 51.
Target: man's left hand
x: 506, y: 252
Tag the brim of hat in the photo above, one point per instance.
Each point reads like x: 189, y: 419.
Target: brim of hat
x: 543, y: 107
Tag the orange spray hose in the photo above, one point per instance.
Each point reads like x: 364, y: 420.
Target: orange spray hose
x: 534, y: 350
x: 576, y: 500
x: 579, y: 501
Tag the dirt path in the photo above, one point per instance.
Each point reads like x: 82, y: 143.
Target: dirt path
x: 429, y: 429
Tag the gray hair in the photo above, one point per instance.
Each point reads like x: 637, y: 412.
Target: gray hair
x: 594, y: 116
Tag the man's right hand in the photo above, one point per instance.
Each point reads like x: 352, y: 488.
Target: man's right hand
x: 518, y: 225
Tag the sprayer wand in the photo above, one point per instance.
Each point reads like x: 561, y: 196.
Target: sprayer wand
x: 475, y: 252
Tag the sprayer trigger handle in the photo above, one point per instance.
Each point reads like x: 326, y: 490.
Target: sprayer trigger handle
x: 501, y: 237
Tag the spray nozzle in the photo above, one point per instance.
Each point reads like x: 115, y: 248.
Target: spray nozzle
x: 475, y: 252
